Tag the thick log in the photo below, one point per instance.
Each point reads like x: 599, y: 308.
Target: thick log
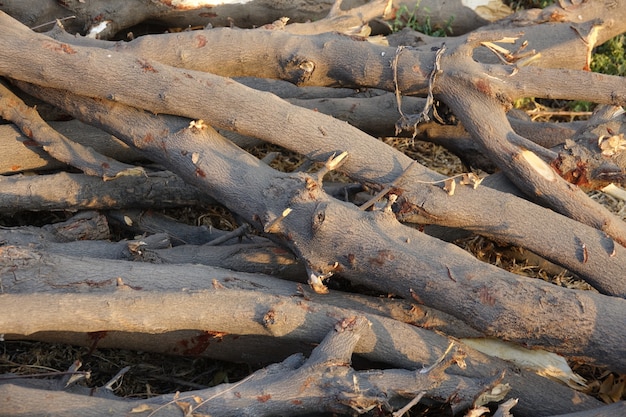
x: 323, y: 382
x: 411, y: 260
x: 262, y: 306
x: 456, y: 15
x: 422, y: 198
x: 65, y: 191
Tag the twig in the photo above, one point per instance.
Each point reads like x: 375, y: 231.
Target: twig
x: 72, y: 375
x: 505, y: 407
x: 238, y: 232
x: 438, y: 361
x: 271, y: 227
x: 407, y: 407
x: 388, y: 188
x: 235, y: 385
x: 468, y: 178
x: 331, y: 164
x: 52, y: 22
x: 6, y: 377
x: 117, y: 376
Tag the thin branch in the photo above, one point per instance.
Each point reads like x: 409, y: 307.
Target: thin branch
x: 13, y: 109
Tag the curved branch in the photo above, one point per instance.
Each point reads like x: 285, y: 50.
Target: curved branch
x: 13, y: 109
x: 479, y: 103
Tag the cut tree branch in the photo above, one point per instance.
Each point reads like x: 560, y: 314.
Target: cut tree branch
x: 410, y: 259
x: 262, y: 306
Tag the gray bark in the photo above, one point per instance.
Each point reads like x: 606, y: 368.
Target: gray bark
x: 135, y: 92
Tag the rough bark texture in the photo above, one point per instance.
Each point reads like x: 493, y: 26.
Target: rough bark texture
x: 262, y: 307
x: 167, y: 99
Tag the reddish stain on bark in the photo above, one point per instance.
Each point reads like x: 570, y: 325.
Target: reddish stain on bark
x: 95, y: 338
x: 146, y: 66
x: 200, y: 173
x: 28, y: 133
x: 208, y: 14
x: 296, y: 402
x: 397, y: 191
x: 416, y: 69
x: 578, y: 175
x: 486, y: 297
x: 15, y: 167
x: 306, y: 307
x: 194, y: 346
x: 557, y: 17
x: 383, y: 257
x: 148, y: 138
x: 67, y: 49
x: 59, y: 47
x: 484, y: 87
x: 105, y: 165
x: 200, y: 41
x: 264, y: 398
